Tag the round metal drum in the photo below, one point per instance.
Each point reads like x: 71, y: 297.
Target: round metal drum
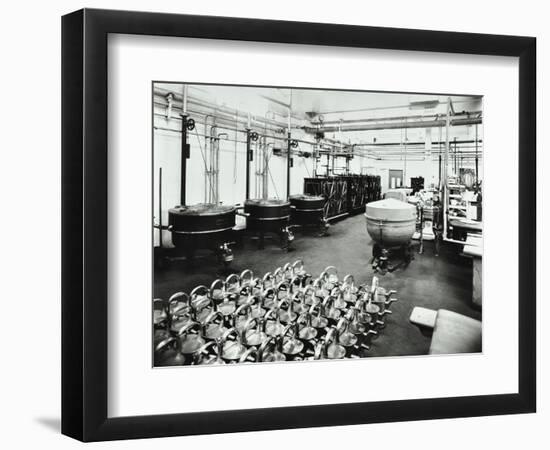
x: 307, y: 202
x: 267, y: 215
x: 201, y: 226
x: 390, y: 222
x: 307, y: 209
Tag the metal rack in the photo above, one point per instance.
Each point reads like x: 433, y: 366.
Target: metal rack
x: 346, y: 194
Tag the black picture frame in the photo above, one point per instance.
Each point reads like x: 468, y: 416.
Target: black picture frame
x: 84, y: 224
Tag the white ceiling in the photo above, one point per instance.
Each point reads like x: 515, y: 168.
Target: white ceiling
x: 332, y: 104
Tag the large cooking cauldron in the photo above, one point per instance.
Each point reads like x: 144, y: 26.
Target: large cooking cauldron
x: 308, y: 211
x: 268, y: 216
x: 391, y: 224
x: 203, y: 226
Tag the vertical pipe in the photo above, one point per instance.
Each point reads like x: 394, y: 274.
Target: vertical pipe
x: 207, y: 183
x: 446, y: 167
x: 217, y: 159
x: 265, y: 162
x: 184, y: 156
x: 405, y: 162
x: 439, y: 184
x: 477, y: 168
x: 160, y: 207
x: 265, y: 168
x: 185, y: 94
x: 247, y: 159
x: 439, y: 180
x: 184, y: 148
x: 288, y: 161
x: 213, y: 169
x: 456, y: 158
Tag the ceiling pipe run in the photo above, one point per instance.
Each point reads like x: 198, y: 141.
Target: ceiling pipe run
x: 388, y: 119
x: 396, y: 125
x: 178, y: 100
x: 396, y: 144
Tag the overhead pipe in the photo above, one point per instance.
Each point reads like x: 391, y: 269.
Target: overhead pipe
x: 415, y: 148
x: 401, y: 155
x: 220, y: 116
x: 389, y: 144
x: 379, y: 108
x: 223, y: 127
x: 232, y: 111
x: 379, y: 119
x: 397, y: 125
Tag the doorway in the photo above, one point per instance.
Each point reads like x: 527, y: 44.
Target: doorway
x: 395, y: 178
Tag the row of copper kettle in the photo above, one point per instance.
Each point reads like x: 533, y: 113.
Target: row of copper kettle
x: 286, y: 315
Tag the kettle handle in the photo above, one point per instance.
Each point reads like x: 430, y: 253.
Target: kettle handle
x: 196, y: 291
x: 164, y: 343
x: 246, y: 355
x: 217, y: 282
x: 232, y: 279
x: 188, y: 327
x: 246, y: 277
x: 270, y: 341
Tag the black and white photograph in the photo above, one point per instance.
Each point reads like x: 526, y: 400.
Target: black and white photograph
x: 272, y: 225
x: 297, y: 224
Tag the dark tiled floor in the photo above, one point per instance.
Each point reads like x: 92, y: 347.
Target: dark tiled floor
x: 443, y: 281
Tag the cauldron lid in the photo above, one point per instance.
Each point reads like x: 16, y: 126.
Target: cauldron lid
x: 390, y: 210
x: 266, y: 202
x: 307, y: 197
x: 202, y: 209
x: 390, y: 204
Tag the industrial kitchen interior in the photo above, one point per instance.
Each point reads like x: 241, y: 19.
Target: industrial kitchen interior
x: 296, y: 224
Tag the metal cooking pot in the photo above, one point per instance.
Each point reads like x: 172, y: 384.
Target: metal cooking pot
x: 253, y: 332
x: 204, y: 355
x: 307, y: 210
x: 273, y: 325
x: 203, y: 226
x: 212, y: 327
x: 271, y: 350
x: 232, y: 350
x: 390, y: 222
x: 330, y: 348
x: 201, y: 218
x: 267, y: 215
x: 307, y: 332
x: 292, y: 346
x: 168, y: 353
x: 190, y: 342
